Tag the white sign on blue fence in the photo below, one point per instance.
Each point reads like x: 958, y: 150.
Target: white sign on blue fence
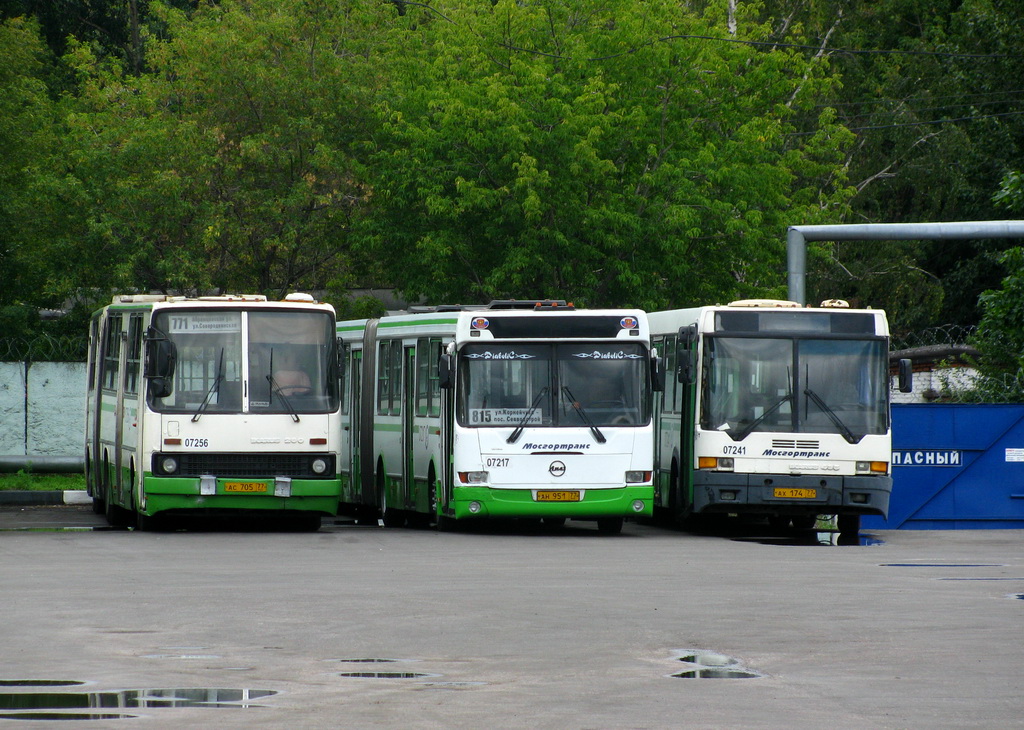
x: 927, y: 457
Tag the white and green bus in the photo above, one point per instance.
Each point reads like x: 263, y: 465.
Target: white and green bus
x: 774, y: 409
x: 213, y: 405
x: 511, y: 410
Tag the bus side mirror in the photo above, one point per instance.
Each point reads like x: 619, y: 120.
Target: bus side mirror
x: 342, y: 352
x: 161, y: 357
x: 906, y: 378
x: 444, y: 371
x: 657, y: 374
x: 685, y: 373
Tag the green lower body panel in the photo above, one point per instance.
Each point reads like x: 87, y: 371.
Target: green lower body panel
x: 190, y: 493
x: 478, y: 502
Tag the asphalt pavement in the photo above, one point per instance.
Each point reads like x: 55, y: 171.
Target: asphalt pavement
x: 509, y: 625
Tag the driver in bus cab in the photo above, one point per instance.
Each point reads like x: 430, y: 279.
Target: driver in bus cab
x: 289, y: 378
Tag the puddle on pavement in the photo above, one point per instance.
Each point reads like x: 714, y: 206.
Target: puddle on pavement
x: 705, y: 664
x: 39, y: 683
x: 823, y: 537
x: 717, y: 674
x: 98, y: 705
x: 942, y: 565
x: 708, y: 659
x: 387, y: 675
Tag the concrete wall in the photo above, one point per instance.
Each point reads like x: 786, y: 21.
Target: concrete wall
x: 42, y: 409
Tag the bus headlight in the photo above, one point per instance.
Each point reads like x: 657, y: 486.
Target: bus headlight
x: 715, y: 463
x: 169, y: 465
x: 637, y: 477
x: 473, y: 477
x: 319, y: 465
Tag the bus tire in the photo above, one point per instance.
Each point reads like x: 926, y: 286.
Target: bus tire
x: 849, y: 524
x: 609, y: 525
x: 389, y: 516
x: 147, y: 523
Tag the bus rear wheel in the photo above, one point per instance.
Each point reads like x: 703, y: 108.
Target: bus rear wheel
x: 849, y: 524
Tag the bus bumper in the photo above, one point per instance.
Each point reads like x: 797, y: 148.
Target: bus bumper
x: 482, y: 502
x: 186, y: 494
x: 717, y: 492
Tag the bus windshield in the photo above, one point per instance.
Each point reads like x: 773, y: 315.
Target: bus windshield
x: 579, y: 384
x: 795, y: 386
x: 230, y: 361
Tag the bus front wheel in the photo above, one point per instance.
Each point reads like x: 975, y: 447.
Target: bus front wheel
x: 609, y: 525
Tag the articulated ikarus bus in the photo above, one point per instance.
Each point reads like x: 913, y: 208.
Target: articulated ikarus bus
x: 213, y: 405
x: 775, y: 409
x: 511, y: 410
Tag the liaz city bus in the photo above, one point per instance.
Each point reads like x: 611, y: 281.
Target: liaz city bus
x: 513, y: 410
x: 213, y: 405
x: 776, y: 410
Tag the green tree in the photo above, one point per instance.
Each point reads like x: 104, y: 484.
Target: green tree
x: 27, y: 123
x: 610, y: 154
x: 927, y: 90
x: 231, y: 166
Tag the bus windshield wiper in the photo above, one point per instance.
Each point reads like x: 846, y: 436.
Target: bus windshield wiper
x: 583, y: 414
x: 514, y: 436
x: 274, y: 386
x: 843, y: 428
x: 214, y: 388
x: 745, y: 431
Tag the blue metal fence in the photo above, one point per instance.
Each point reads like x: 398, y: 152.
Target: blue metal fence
x: 956, y: 467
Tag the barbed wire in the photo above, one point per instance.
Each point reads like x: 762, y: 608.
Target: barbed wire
x: 44, y: 348
x: 946, y: 334
x: 1006, y: 388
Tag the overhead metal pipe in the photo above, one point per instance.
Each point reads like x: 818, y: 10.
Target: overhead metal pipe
x: 43, y: 464
x: 798, y: 236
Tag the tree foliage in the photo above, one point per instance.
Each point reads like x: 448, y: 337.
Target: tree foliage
x: 610, y: 153
x: 603, y: 155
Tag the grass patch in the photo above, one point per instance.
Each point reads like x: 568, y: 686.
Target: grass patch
x: 41, y: 482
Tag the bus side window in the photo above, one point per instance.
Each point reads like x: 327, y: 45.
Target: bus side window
x: 112, y: 352
x: 134, y: 354
x: 383, y: 378
x: 423, y: 355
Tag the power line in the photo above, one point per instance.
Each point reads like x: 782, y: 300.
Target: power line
x: 976, y: 118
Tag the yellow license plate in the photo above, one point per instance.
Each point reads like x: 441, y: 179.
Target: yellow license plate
x: 566, y: 496
x: 248, y: 487
x: 790, y: 493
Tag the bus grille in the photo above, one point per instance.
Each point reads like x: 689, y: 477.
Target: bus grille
x: 795, y: 444
x: 260, y: 466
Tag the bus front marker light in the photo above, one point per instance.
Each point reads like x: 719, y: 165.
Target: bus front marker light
x: 169, y: 465
x: 319, y: 465
x: 727, y: 495
x: 474, y: 507
x: 473, y: 477
x: 880, y: 467
x: 859, y: 498
x: 637, y: 477
x: 638, y: 505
